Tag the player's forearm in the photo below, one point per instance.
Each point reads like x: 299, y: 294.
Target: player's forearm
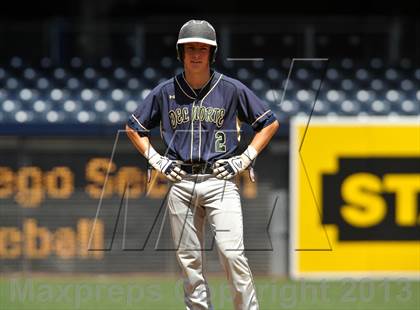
x: 261, y: 138
x: 142, y: 144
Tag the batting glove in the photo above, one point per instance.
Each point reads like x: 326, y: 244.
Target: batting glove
x: 226, y: 169
x: 165, y: 165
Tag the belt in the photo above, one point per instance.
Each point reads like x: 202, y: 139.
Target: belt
x: 202, y: 168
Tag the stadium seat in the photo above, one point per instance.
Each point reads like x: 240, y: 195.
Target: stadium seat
x: 107, y: 92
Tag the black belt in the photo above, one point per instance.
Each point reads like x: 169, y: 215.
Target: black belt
x: 203, y: 168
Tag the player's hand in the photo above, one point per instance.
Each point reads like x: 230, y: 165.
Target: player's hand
x: 167, y: 166
x: 226, y: 169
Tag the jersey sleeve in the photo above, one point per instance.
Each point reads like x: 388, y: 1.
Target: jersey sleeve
x: 253, y: 110
x: 147, y: 114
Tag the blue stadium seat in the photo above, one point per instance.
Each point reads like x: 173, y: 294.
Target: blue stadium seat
x: 349, y: 108
x: 16, y: 62
x: 11, y: 106
x: 41, y: 106
x: 72, y: 106
x: 86, y: 117
x: 409, y: 107
x: 379, y: 107
x: 106, y: 62
x: 108, y: 91
x: 130, y: 106
x: 135, y: 62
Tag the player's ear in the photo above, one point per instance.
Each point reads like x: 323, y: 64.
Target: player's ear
x: 213, y: 50
x: 180, y: 52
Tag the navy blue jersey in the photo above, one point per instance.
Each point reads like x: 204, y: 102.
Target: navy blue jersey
x: 204, y: 126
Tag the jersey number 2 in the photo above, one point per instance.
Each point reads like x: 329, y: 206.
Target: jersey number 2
x: 220, y: 142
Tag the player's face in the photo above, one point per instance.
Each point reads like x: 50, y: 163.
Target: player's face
x: 196, y: 56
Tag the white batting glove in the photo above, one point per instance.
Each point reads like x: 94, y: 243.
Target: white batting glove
x: 165, y: 165
x: 226, y: 169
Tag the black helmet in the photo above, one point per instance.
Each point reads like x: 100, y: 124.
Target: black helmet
x: 197, y: 31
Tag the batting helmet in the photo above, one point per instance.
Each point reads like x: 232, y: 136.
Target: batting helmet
x: 197, y: 31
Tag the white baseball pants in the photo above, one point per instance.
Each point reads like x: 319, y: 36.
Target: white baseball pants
x: 190, y: 202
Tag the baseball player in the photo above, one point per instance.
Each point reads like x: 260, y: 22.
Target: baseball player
x: 199, y: 113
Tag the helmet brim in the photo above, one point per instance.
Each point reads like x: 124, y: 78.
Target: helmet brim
x: 198, y: 40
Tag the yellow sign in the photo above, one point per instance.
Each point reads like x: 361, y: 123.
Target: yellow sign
x: 355, y: 197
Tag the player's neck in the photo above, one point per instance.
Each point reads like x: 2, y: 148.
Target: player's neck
x: 197, y: 80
